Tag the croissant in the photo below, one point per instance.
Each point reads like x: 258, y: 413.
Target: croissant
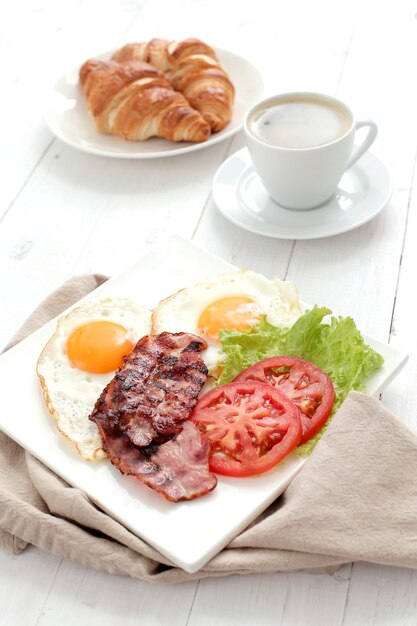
x: 192, y: 68
x: 134, y: 101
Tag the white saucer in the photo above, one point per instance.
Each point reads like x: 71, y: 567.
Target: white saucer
x: 240, y: 196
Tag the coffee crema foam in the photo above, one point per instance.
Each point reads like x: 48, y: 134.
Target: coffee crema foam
x: 300, y: 122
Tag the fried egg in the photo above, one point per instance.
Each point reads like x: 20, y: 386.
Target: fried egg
x: 236, y: 300
x: 80, y: 359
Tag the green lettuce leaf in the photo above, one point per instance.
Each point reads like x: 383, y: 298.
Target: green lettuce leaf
x: 336, y: 346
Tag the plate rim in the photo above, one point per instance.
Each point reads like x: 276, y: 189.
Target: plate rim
x: 248, y: 165
x: 78, y: 144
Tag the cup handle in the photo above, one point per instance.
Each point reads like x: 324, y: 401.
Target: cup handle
x: 366, y: 143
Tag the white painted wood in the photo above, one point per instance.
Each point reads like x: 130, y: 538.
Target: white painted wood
x: 403, y: 336
x: 80, y: 596
x: 271, y: 599
x: 381, y: 596
x: 36, y: 49
x: 107, y: 209
x: 63, y: 212
x: 25, y: 581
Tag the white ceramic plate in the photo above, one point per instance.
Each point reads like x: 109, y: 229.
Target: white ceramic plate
x: 240, y: 196
x: 65, y: 113
x: 188, y: 533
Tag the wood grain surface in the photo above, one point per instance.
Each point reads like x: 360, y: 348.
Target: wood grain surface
x: 64, y: 212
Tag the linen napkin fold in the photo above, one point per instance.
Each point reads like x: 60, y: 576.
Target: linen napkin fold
x: 354, y: 500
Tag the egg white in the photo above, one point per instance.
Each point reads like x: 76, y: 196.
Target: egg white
x: 71, y: 393
x: 276, y: 299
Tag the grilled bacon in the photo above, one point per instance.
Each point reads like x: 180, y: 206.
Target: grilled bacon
x: 141, y: 416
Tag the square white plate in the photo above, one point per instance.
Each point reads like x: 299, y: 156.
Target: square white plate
x: 188, y: 533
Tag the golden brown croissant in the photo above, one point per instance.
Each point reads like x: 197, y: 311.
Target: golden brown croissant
x: 192, y: 68
x: 134, y: 101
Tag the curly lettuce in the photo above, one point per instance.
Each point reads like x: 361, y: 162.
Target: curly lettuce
x: 336, y: 346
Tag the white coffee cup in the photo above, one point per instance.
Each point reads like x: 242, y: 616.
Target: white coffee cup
x: 301, y: 143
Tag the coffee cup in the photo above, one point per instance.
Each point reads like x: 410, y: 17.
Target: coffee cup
x: 301, y: 144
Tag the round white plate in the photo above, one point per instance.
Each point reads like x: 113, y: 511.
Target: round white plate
x: 66, y: 115
x: 240, y: 196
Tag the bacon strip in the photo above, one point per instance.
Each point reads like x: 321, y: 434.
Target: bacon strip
x: 177, y: 469
x: 141, y: 416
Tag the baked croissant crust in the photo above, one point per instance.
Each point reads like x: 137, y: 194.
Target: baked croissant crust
x: 191, y: 66
x: 134, y: 100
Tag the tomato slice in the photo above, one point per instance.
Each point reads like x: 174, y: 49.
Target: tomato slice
x: 251, y: 427
x: 305, y: 384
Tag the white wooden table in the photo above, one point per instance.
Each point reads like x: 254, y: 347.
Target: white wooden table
x: 64, y: 212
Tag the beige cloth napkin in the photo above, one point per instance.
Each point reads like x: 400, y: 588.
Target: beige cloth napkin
x: 354, y: 500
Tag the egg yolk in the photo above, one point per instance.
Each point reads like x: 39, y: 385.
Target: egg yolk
x: 239, y: 313
x: 98, y: 347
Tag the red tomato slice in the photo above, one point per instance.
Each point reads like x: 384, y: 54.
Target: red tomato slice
x: 305, y: 384
x: 251, y: 427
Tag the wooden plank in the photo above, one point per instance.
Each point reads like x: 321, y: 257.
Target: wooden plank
x: 252, y: 599
x: 25, y: 581
x: 316, y: 599
x: 81, y: 596
x: 110, y: 211
x: 293, y: 598
x: 344, y: 272
x: 381, y: 595
x: 403, y: 336
x: 39, y: 47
